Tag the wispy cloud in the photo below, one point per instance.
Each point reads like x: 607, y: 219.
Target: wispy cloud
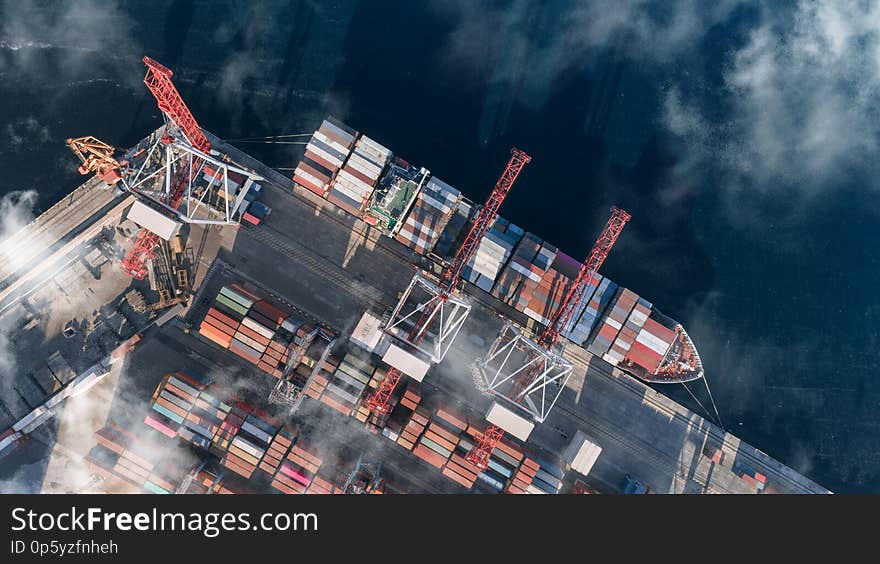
x: 554, y: 38
x: 77, y: 31
x: 801, y: 95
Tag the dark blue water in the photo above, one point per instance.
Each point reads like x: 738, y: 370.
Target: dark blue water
x: 774, y: 281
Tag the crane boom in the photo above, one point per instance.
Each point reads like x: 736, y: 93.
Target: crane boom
x: 449, y: 279
x: 97, y: 157
x: 158, y: 81
x: 585, y: 276
x: 482, y: 450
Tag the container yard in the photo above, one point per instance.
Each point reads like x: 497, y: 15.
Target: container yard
x: 256, y: 374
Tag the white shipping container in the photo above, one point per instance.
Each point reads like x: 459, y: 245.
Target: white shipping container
x: 364, y: 166
x: 380, y: 150
x: 248, y: 448
x: 616, y: 324
x: 582, y: 454
x: 355, y: 181
x: 251, y: 324
x: 369, y: 154
x: 309, y: 178
x: 326, y: 125
x: 653, y: 342
x: 491, y: 247
x: 348, y: 191
x: 250, y: 342
x: 332, y: 143
x: 341, y: 155
x: 612, y: 357
x: 527, y: 272
x: 334, y: 161
x: 637, y: 317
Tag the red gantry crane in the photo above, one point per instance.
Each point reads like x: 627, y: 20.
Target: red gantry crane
x: 175, y: 110
x: 482, y: 450
x: 378, y: 402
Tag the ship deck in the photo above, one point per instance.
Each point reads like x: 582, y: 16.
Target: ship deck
x: 325, y: 262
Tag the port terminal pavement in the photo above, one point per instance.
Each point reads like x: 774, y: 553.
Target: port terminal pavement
x: 319, y: 259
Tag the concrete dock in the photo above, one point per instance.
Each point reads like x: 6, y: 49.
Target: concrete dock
x: 321, y: 260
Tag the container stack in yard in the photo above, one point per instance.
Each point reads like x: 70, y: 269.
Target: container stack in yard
x: 522, y: 478
x: 327, y: 150
x: 492, y: 253
x: 434, y: 207
x: 503, y: 463
x: 547, y: 479
x: 413, y: 428
x: 321, y: 378
x: 321, y: 485
x: 582, y: 453
x: 408, y: 403
x: 439, y: 439
x: 254, y: 431
x: 354, y: 183
x: 183, y: 408
x: 254, y: 329
x: 346, y: 385
x: 137, y: 461
x: 297, y: 470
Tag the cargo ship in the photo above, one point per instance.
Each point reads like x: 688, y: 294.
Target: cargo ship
x: 529, y: 274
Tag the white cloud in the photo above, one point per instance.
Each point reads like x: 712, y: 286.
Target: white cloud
x: 802, y: 94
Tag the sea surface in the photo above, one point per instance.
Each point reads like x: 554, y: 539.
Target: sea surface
x: 778, y: 293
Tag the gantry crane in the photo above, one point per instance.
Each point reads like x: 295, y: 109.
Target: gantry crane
x: 176, y: 112
x: 526, y: 379
x: 97, y: 157
x: 366, y: 478
x: 378, y: 402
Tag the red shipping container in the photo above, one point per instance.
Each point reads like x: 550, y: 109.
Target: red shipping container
x: 643, y: 356
x: 219, y: 315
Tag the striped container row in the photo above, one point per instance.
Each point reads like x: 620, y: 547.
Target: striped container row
x: 324, y: 156
x: 345, y: 386
x: 632, y: 326
x: 433, y: 208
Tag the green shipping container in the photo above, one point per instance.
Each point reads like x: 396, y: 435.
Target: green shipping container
x: 233, y: 305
